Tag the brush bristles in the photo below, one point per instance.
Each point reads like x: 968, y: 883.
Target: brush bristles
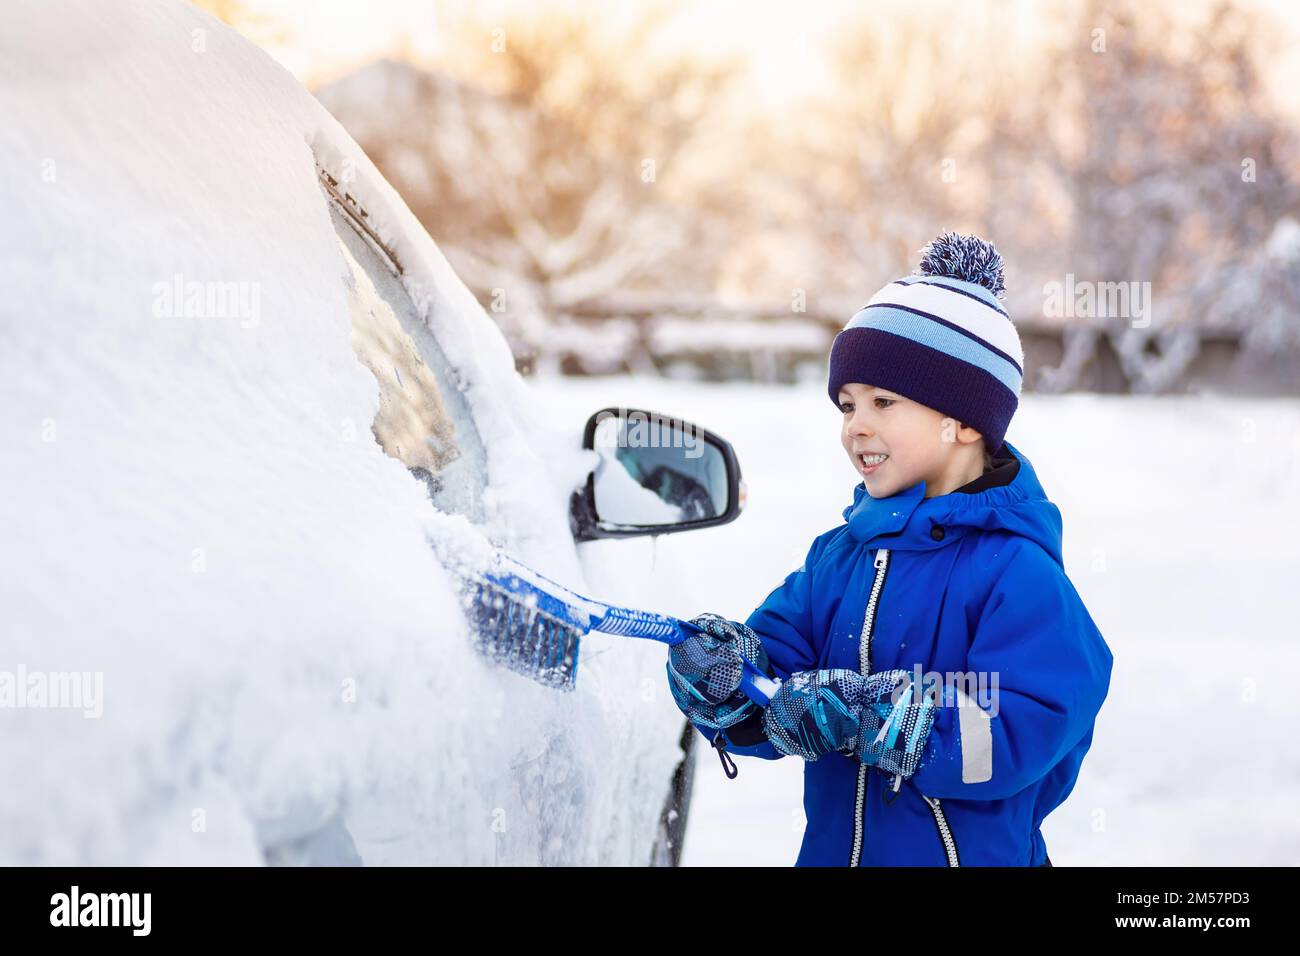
x: 524, y: 639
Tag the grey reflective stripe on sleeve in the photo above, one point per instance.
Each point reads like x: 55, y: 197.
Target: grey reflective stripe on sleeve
x: 976, y: 741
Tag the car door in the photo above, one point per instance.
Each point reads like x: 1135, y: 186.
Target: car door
x: 425, y: 421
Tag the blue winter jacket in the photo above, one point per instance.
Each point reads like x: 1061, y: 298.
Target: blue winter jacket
x: 971, y: 584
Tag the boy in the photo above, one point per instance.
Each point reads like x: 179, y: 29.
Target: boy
x: 940, y: 674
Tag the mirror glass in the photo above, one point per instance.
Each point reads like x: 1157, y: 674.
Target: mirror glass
x: 655, y: 470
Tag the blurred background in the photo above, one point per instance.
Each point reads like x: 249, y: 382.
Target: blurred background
x: 678, y: 205
x: 709, y: 190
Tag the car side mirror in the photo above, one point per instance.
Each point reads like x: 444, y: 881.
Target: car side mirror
x: 654, y: 475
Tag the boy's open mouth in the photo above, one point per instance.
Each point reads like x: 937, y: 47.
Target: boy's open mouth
x: 869, y: 463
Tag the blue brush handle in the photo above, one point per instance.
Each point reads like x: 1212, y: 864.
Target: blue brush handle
x: 626, y: 622
x: 644, y: 624
x: 558, y: 602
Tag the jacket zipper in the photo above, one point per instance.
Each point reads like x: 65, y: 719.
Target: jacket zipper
x: 945, y: 834
x: 864, y: 666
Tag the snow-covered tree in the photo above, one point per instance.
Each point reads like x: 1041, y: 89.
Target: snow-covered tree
x: 1176, y: 173
x: 561, y: 176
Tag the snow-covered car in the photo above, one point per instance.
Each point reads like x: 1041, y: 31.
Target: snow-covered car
x: 242, y: 393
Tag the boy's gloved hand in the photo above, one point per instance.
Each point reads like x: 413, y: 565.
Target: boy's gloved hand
x: 895, y: 723
x: 704, y: 670
x: 816, y: 713
x: 839, y: 710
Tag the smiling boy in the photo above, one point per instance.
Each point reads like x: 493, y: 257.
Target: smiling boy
x: 948, y: 561
x: 895, y: 442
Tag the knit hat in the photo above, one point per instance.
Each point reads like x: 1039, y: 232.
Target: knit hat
x: 940, y: 337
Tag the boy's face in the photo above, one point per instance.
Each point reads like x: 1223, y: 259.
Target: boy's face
x: 919, y: 443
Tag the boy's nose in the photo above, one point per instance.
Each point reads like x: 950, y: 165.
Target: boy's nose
x: 859, y: 426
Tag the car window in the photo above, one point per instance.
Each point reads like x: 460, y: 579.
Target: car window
x: 424, y: 419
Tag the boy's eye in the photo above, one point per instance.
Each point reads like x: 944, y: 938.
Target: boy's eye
x: 847, y: 407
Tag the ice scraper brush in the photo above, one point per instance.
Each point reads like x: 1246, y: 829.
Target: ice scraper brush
x: 533, y: 625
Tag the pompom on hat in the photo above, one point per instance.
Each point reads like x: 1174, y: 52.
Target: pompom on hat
x: 940, y: 337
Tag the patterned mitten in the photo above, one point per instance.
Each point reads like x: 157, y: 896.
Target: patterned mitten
x: 896, y: 720
x: 704, y: 670
x: 815, y: 713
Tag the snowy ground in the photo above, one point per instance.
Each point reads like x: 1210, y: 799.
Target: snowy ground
x: 1180, y: 517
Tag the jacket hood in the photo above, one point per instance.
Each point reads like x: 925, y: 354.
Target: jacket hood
x: 906, y: 520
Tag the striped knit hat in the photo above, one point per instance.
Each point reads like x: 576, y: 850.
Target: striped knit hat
x: 940, y: 337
